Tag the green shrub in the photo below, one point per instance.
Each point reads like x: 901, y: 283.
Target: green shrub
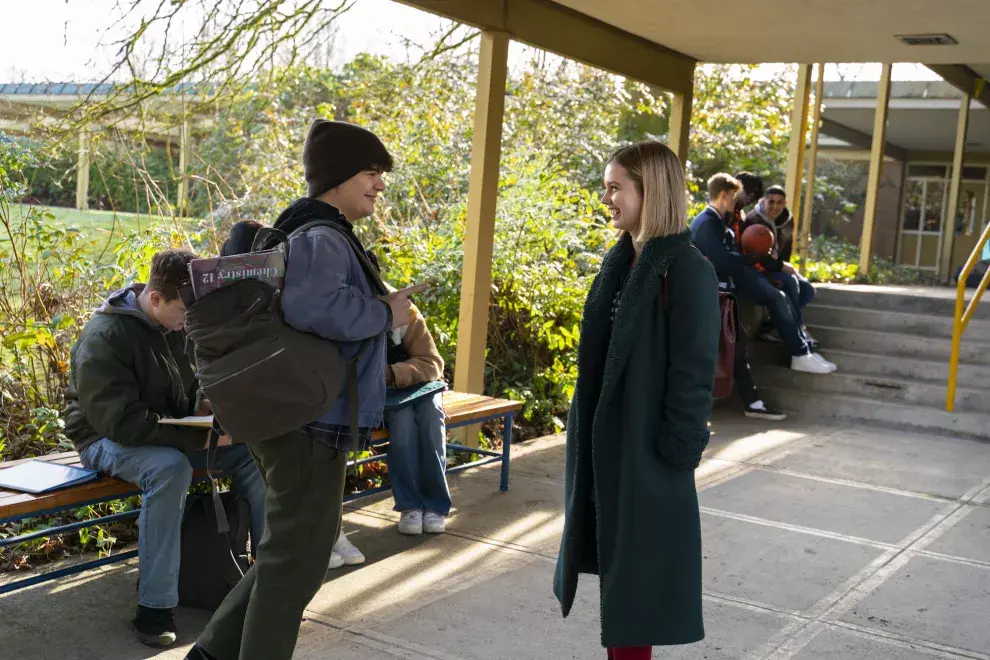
x: 836, y: 261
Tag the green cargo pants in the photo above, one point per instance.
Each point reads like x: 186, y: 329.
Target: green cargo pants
x: 260, y: 618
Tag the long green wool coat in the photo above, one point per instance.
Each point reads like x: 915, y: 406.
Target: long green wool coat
x: 635, y: 433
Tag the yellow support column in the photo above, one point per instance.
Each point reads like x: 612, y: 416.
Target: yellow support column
x: 183, y: 193
x: 949, y: 222
x: 803, y: 228
x: 486, y: 150
x: 795, y: 150
x: 82, y: 172
x: 876, y: 166
x: 680, y: 125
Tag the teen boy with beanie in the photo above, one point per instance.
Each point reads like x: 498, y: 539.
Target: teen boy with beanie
x: 240, y: 241
x: 326, y: 293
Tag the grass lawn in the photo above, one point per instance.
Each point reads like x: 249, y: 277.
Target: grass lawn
x: 95, y: 221
x: 107, y: 228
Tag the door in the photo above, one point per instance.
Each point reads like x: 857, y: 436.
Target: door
x: 921, y: 229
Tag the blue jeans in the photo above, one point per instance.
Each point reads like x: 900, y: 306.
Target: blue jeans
x: 417, y: 455
x: 799, y: 291
x: 164, y: 474
x: 752, y: 286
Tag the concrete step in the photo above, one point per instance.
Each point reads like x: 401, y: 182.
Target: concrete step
x: 929, y: 301
x: 935, y: 372
x: 819, y: 405
x: 897, y: 322
x: 899, y: 345
x: 880, y: 388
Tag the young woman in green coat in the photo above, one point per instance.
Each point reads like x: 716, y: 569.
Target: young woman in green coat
x: 638, y: 420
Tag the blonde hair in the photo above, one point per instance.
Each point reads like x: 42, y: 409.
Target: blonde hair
x: 656, y: 171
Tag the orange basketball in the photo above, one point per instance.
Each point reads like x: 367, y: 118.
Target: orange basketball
x: 757, y: 240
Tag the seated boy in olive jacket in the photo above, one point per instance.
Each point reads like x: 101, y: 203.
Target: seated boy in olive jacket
x: 128, y: 369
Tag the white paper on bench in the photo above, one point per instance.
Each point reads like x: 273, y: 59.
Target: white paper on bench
x: 200, y: 421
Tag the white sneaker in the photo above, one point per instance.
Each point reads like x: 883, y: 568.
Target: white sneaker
x: 831, y: 365
x: 351, y: 555
x: 411, y: 522
x: 809, y: 364
x: 434, y: 523
x: 336, y: 560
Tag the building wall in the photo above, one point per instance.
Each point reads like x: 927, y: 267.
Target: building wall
x: 888, y: 212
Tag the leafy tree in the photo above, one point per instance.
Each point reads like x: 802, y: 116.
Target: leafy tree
x: 739, y: 123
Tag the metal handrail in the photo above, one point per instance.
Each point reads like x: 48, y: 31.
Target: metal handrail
x: 962, y: 317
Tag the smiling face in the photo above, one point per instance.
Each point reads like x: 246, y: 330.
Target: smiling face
x: 355, y: 198
x: 623, y: 199
x: 775, y: 205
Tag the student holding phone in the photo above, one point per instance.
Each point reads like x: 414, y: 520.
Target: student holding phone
x: 329, y: 293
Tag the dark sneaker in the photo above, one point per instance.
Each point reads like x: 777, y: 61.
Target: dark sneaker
x: 155, y: 627
x: 197, y: 652
x: 764, y: 412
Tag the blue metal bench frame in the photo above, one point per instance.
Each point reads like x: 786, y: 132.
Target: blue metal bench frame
x: 488, y: 456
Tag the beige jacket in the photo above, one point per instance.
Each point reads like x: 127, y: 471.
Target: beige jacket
x: 425, y: 363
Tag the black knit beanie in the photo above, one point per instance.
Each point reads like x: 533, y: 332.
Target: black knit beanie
x: 335, y: 151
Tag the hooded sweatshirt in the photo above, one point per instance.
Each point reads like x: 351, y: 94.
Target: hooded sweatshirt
x: 782, y: 227
x: 126, y: 373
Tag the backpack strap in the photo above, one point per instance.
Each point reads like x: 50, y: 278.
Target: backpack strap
x: 262, y: 238
x: 369, y: 270
x: 223, y: 526
x: 211, y: 457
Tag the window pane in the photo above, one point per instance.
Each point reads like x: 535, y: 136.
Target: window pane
x: 912, y: 205
x: 966, y: 213
x: 934, y: 200
x: 975, y: 173
x: 927, y: 170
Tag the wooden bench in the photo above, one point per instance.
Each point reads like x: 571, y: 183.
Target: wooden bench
x: 461, y: 410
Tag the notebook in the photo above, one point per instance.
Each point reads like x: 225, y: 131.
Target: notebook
x: 399, y: 398
x: 199, y: 421
x: 38, y: 477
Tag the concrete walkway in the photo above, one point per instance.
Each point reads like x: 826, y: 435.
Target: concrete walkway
x: 820, y: 543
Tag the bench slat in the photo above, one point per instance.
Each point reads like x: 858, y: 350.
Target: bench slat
x: 460, y: 408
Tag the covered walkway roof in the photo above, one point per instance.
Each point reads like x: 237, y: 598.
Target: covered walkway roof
x: 923, y: 118
x: 667, y: 35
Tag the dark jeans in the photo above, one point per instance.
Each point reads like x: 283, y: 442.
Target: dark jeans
x: 799, y: 291
x: 260, y: 618
x: 742, y: 377
x: 754, y: 287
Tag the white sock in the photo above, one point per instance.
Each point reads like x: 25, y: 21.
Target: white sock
x: 758, y: 405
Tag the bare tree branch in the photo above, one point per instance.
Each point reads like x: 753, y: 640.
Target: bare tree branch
x: 234, y: 41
